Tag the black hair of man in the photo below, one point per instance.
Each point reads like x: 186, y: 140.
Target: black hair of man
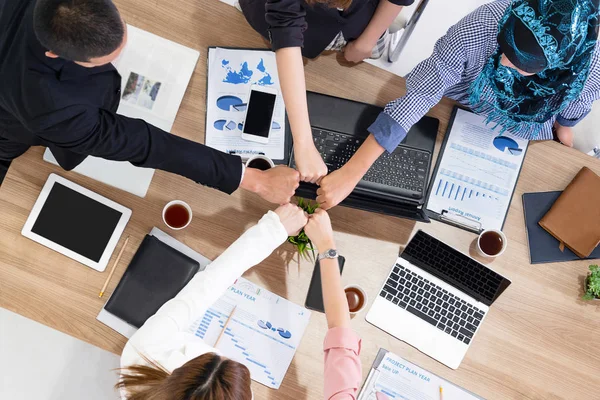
x: 78, y: 30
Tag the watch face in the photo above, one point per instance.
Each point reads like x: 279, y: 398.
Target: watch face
x: 332, y: 253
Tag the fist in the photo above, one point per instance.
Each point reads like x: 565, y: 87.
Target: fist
x: 279, y: 184
x: 292, y: 217
x: 319, y: 231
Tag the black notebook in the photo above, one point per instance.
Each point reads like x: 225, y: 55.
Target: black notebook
x: 155, y: 275
x: 543, y: 247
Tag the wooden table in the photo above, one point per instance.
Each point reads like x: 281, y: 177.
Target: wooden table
x: 539, y: 340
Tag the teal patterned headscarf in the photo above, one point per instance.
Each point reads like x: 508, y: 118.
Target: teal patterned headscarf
x: 553, y: 39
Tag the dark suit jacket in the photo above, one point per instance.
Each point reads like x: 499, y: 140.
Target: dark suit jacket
x: 294, y: 23
x: 71, y: 109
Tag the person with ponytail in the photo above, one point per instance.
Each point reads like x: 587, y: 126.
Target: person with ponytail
x: 164, y: 361
x: 531, y: 67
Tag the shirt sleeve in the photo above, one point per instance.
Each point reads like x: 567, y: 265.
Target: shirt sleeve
x: 176, y: 315
x: 287, y: 22
x: 581, y: 106
x: 101, y: 133
x: 430, y: 79
x: 343, y: 371
x: 402, y: 2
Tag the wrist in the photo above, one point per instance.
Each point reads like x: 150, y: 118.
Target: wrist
x: 252, y: 180
x: 327, y: 244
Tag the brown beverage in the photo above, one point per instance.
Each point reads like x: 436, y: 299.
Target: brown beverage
x: 491, y: 243
x: 177, y: 216
x: 259, y: 163
x: 356, y: 300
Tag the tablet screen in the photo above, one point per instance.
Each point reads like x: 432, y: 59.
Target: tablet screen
x: 76, y: 222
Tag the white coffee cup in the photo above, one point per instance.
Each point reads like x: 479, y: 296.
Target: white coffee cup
x: 364, y: 295
x: 497, y: 232
x: 180, y: 203
x: 260, y: 157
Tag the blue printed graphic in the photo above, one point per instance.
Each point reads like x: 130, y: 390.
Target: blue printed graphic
x: 245, y: 74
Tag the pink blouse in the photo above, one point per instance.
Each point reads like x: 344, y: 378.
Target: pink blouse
x: 343, y: 371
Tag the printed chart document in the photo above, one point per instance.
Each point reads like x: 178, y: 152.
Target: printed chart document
x: 397, y: 378
x: 155, y: 73
x: 231, y: 73
x: 263, y: 333
x: 477, y: 173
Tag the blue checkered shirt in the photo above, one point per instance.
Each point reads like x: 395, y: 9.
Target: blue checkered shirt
x: 458, y: 58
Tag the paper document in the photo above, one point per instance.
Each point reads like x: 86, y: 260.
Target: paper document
x: 477, y: 173
x: 397, y: 378
x: 263, y: 333
x: 155, y: 73
x: 127, y: 329
x: 231, y: 73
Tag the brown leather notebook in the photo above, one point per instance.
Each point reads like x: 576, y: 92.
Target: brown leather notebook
x: 574, y: 218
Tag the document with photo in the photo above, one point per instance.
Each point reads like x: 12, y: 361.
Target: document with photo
x: 155, y: 73
x: 231, y: 73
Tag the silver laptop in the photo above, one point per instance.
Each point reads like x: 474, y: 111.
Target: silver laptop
x: 435, y: 298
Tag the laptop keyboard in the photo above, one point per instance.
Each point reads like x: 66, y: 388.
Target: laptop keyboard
x: 405, y: 169
x: 452, y: 266
x: 431, y: 303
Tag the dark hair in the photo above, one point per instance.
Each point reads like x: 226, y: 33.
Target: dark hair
x: 206, y: 377
x: 78, y: 30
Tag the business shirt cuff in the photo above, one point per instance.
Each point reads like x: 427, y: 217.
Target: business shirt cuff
x: 344, y: 338
x: 570, y: 122
x: 243, y: 173
x: 387, y: 132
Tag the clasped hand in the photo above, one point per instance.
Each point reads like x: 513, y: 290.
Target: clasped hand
x: 316, y: 226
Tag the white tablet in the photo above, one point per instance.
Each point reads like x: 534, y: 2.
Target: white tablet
x: 76, y: 222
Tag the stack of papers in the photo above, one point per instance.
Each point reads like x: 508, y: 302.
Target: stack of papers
x: 231, y: 73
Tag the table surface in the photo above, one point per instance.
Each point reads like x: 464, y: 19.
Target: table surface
x: 539, y: 339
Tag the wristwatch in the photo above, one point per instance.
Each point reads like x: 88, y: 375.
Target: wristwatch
x: 331, y: 253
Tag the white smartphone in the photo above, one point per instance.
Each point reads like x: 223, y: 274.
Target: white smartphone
x: 259, y: 114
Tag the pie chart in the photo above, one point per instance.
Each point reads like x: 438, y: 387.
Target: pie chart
x: 504, y: 143
x: 228, y: 102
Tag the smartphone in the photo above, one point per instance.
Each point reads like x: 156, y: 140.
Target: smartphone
x: 314, y: 298
x: 259, y: 114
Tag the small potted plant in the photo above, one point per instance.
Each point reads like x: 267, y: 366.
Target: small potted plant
x: 592, y: 284
x: 301, y: 241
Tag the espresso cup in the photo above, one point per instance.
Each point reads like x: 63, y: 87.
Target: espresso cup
x: 261, y: 162
x: 357, y: 299
x: 177, y: 214
x: 491, y: 243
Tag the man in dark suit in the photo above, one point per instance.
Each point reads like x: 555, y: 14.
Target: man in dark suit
x: 60, y: 90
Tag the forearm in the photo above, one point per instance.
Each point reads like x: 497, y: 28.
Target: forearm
x: 385, y: 14
x: 334, y: 298
x: 293, y: 88
x: 364, y: 157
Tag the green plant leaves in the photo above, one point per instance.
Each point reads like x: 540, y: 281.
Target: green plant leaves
x: 592, y: 290
x: 301, y: 241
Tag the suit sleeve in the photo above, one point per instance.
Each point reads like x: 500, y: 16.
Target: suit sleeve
x: 100, y: 133
x: 287, y: 23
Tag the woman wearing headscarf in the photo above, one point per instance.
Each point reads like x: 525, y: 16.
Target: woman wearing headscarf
x: 529, y: 66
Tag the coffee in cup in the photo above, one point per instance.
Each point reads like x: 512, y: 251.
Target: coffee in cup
x: 356, y: 297
x: 260, y: 162
x: 491, y: 243
x: 177, y: 214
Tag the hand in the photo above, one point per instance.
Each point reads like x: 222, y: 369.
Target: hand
x: 564, y: 134
x: 336, y: 186
x: 357, y: 50
x: 276, y: 185
x: 292, y: 217
x: 319, y: 231
x: 309, y: 163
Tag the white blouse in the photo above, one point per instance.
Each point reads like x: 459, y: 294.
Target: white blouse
x: 164, y: 337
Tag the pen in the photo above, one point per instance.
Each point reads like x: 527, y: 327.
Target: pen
x: 112, y: 271
x: 441, y: 393
x: 225, y: 327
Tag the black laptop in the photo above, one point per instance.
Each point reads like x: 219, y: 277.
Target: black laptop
x: 396, y: 184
